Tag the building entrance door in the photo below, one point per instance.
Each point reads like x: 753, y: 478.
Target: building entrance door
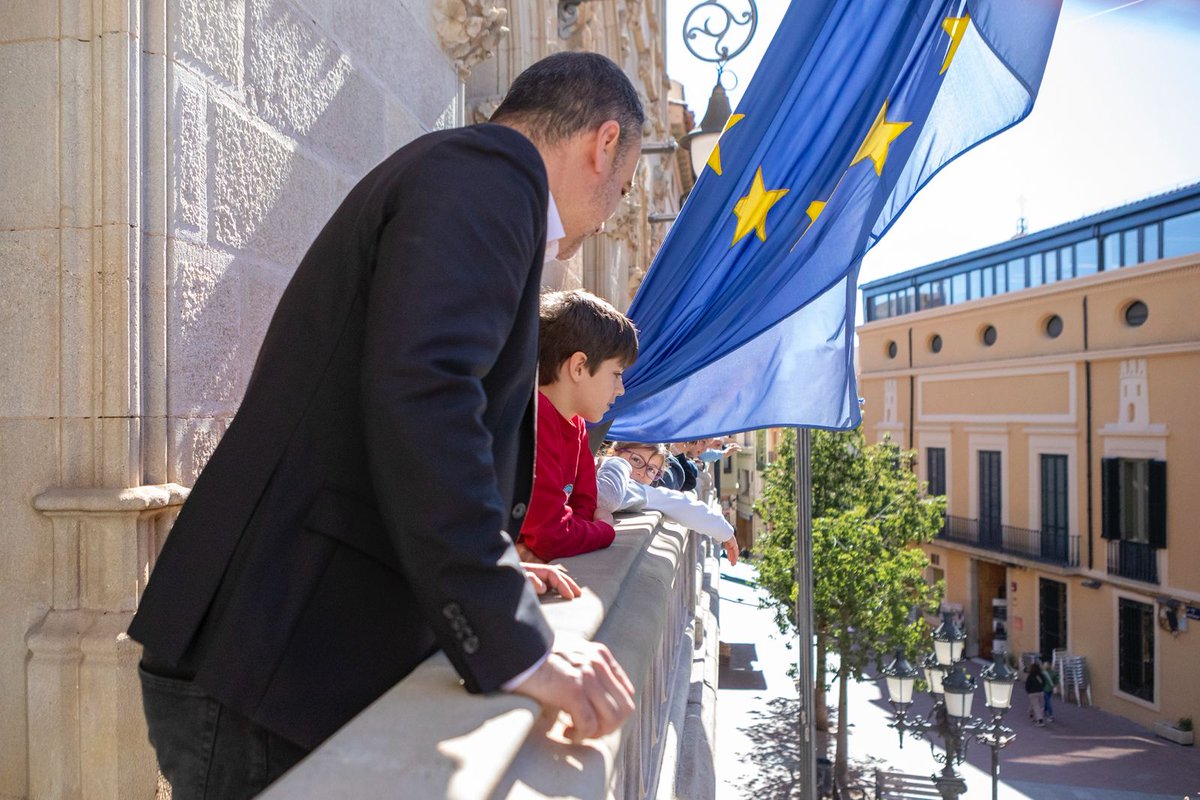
x: 990, y: 535
x: 989, y: 584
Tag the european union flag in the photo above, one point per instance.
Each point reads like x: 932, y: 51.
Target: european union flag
x: 747, y: 313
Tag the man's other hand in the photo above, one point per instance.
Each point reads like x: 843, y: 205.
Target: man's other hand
x: 587, y: 683
x: 731, y: 550
x: 547, y: 577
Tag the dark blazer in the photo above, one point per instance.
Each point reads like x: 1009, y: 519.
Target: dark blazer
x: 353, y: 518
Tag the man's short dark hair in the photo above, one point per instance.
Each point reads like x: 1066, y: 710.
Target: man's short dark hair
x: 575, y: 321
x: 569, y: 92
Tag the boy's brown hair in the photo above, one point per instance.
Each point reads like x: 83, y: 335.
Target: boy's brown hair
x: 575, y: 321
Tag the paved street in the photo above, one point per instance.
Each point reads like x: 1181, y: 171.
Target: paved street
x: 1085, y: 754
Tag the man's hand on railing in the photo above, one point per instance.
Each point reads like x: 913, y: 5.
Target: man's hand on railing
x: 586, y: 682
x: 544, y: 577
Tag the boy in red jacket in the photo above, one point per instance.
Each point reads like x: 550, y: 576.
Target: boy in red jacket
x: 584, y: 346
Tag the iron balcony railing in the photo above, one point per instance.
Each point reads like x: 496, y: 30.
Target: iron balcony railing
x: 1049, y: 545
x: 1137, y: 561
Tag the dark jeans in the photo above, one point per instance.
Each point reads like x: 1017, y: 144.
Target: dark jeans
x: 206, y: 750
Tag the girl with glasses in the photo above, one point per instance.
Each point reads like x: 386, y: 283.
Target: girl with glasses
x: 627, y: 480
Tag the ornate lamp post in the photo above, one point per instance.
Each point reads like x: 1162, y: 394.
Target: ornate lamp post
x: 953, y: 692
x: 712, y: 20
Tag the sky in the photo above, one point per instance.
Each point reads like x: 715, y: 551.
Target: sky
x: 1117, y: 119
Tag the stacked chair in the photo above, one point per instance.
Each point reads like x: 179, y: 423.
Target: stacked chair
x: 1073, y: 677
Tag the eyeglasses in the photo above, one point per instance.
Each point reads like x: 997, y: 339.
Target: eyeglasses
x: 652, y: 472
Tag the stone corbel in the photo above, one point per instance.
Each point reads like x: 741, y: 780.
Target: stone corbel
x: 469, y: 31
x: 482, y: 109
x: 82, y: 687
x: 625, y: 224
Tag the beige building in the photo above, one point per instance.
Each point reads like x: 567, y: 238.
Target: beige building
x: 1057, y: 413
x: 739, y: 478
x: 164, y: 167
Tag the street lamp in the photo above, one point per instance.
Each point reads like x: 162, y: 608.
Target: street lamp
x: 948, y: 641
x: 712, y: 20
x: 901, y: 676
x: 700, y: 142
x: 953, y: 691
x: 935, y: 673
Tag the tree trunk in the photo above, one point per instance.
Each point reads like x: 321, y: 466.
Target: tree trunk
x: 820, y: 702
x: 843, y: 728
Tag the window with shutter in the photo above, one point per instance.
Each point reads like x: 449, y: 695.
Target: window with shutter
x: 1110, y: 492
x: 1157, y: 503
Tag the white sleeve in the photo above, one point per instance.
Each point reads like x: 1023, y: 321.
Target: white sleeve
x: 689, y: 512
x: 616, y: 490
x: 512, y: 683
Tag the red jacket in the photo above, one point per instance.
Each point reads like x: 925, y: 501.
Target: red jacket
x: 559, y: 520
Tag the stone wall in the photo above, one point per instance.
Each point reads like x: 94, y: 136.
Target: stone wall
x: 277, y: 107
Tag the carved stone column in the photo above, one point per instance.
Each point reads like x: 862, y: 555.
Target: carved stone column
x: 87, y: 735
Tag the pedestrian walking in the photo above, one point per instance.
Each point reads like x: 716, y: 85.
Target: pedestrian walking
x: 1035, y: 687
x: 1049, y: 680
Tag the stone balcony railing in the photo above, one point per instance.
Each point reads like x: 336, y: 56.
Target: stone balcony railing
x: 651, y: 598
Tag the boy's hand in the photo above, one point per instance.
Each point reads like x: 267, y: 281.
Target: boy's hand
x: 604, y: 516
x: 731, y: 550
x: 587, y: 683
x: 545, y: 577
x: 526, y: 555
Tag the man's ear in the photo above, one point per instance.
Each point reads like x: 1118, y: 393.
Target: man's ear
x: 606, y: 143
x: 577, y: 365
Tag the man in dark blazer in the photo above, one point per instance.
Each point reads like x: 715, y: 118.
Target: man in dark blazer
x: 358, y: 515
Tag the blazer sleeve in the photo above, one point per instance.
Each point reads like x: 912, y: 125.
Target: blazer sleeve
x: 451, y: 268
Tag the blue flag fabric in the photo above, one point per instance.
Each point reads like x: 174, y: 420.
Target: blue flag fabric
x: 746, y: 316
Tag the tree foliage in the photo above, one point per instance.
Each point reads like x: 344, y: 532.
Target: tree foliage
x: 868, y: 512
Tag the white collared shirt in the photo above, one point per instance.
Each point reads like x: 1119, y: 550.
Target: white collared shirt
x: 554, y: 230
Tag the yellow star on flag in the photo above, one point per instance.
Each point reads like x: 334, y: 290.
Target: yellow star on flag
x: 955, y: 27
x: 714, y: 158
x: 875, y: 146
x: 752, y: 209
x: 814, y: 210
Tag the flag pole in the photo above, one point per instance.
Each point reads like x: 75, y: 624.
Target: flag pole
x: 806, y: 722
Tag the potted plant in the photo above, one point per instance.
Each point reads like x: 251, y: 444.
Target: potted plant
x: 1180, y: 732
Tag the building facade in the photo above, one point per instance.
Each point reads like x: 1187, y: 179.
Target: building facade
x: 165, y: 165
x: 1058, y: 418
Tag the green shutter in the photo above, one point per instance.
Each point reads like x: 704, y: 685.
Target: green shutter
x: 1158, y: 504
x: 1110, y: 497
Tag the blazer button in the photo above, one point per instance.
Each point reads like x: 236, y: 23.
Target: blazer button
x: 519, y: 510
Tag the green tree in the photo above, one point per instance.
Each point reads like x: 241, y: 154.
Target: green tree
x: 868, y: 513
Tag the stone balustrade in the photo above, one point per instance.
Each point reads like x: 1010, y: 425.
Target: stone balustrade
x: 651, y: 599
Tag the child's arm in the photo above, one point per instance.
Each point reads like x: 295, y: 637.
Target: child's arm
x: 615, y: 488
x: 694, y: 515
x: 583, y: 498
x: 558, y: 525
x: 688, y: 512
